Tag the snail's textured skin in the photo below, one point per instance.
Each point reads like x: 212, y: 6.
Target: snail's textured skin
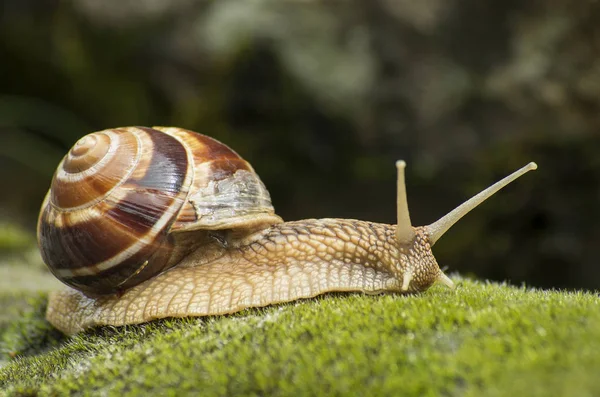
x: 286, y: 262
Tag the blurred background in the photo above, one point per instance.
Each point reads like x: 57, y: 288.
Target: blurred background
x: 322, y: 97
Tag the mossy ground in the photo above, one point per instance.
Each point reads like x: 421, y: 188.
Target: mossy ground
x: 482, y: 339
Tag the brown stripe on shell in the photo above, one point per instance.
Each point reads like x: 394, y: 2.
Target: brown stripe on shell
x: 130, y: 272
x: 97, y: 240
x: 142, y: 212
x: 202, y: 146
x: 168, y: 170
x: 213, y: 162
x: 72, y: 188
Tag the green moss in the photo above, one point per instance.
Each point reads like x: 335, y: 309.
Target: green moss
x: 28, y: 333
x: 483, y: 339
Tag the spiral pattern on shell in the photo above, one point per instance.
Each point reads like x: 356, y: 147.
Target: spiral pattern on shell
x: 120, y: 196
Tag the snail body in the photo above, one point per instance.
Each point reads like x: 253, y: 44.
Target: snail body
x: 222, y: 248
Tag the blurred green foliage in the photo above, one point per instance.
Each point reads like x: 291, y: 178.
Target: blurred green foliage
x: 14, y: 238
x: 322, y: 97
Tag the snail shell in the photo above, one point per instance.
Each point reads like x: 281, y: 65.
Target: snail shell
x: 126, y: 204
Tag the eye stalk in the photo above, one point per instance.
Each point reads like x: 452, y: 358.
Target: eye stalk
x: 406, y: 233
x: 441, y: 226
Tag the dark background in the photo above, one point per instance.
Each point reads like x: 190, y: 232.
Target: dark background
x: 322, y: 97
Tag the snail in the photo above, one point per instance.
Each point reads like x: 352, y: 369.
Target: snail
x: 146, y: 223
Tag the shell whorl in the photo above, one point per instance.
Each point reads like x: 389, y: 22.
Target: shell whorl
x: 111, y: 204
x: 127, y: 203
